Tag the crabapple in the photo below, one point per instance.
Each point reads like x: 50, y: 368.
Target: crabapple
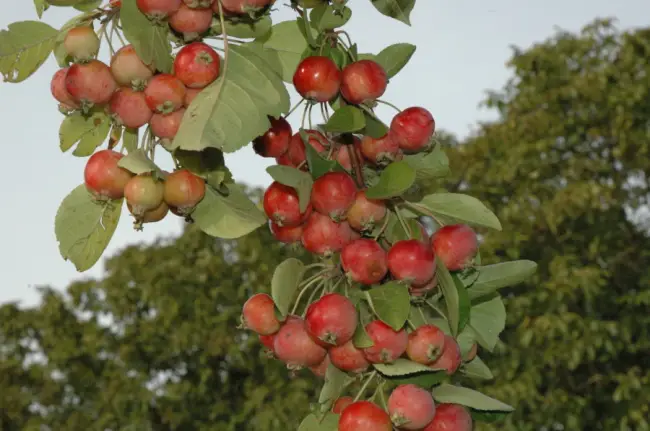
x: 380, y: 151
x: 144, y: 193
x: 455, y: 245
x: 275, y: 141
x: 333, y: 194
x: 450, y: 417
x: 267, y: 341
x: 412, y: 129
x: 364, y: 416
x: 294, y: 346
x: 258, y: 315
x: 130, y: 108
x: 128, y: 69
x: 349, y: 358
x: 365, y: 213
x: 411, y: 261
x: 151, y: 216
x: 364, y: 261
x: 241, y: 7
x: 198, y: 4
x: 166, y: 126
x: 90, y: 83
x: 282, y: 206
x: 321, y: 369
x: 284, y: 160
x: 363, y: 81
x: 317, y: 78
x: 190, y: 94
x: 343, y: 153
x: 184, y: 190
x: 340, y: 404
x: 81, y: 43
x: 191, y: 21
x: 197, y: 65
x: 419, y: 291
x: 57, y: 87
x: 331, y: 320
x: 425, y: 344
x: 322, y: 235
x: 103, y: 177
x: 158, y: 9
x: 388, y: 343
x: 450, y: 358
x: 297, y: 153
x: 410, y: 407
x: 165, y: 93
x: 286, y: 234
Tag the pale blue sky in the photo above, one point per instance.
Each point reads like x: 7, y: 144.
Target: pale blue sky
x: 462, y: 49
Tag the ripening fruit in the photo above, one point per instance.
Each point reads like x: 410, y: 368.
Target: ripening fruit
x: 381, y: 151
x: 364, y: 261
x: 128, y: 69
x: 413, y: 129
x: 410, y: 407
x: 425, y: 344
x: 184, y: 190
x: 317, y: 78
x: 363, y: 81
x: 275, y: 141
x: 411, y: 261
x: 151, y: 216
x: 241, y: 7
x: 191, y: 21
x: 364, y: 416
x: 267, y: 341
x: 158, y: 9
x: 166, y: 126
x: 57, y: 87
x: 190, y: 94
x: 419, y: 291
x: 331, y: 320
x: 129, y: 108
x: 258, y: 315
x: 296, y: 154
x: 286, y: 234
x: 340, y: 404
x: 165, y: 93
x: 364, y: 214
x: 282, y: 206
x: 321, y: 369
x: 450, y: 417
x: 455, y: 245
x: 295, y: 347
x: 90, y: 83
x: 388, y: 343
x: 103, y: 177
x: 144, y: 193
x: 198, y: 4
x: 197, y: 65
x: 348, y: 358
x: 321, y: 235
x: 451, y: 357
x: 81, y: 43
x: 343, y: 153
x: 333, y: 194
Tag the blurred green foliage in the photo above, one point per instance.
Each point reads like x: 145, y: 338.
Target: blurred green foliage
x: 153, y: 345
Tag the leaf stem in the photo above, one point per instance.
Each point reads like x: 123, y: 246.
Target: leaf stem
x: 224, y: 34
x: 402, y: 222
x: 294, y: 108
x: 383, y: 102
x: 357, y: 165
x: 424, y: 318
x: 324, y: 112
x: 304, y: 116
x: 309, y: 283
x: 423, y: 210
x: 365, y: 386
x: 383, y: 228
x: 436, y: 309
x: 311, y: 105
x: 313, y: 295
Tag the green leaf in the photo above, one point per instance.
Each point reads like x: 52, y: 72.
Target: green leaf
x: 88, y: 131
x: 476, y: 369
x: 299, y: 180
x: 453, y: 208
x: 375, y: 128
x: 361, y: 339
x: 287, y: 42
x: 318, y: 165
x: 335, y: 381
x: 329, y: 422
x: 428, y: 166
x: 456, y: 299
x: 138, y: 163
x: 130, y: 139
x: 234, y: 110
x: 395, y: 57
x: 285, y: 282
x: 424, y: 380
x: 393, y: 181
x: 227, y: 217
x: 347, y: 119
x: 245, y: 29
x: 494, y: 277
x: 149, y: 40
x: 24, y: 47
x: 391, y: 302
x: 467, y: 397
x: 487, y: 320
x: 402, y: 367
x: 395, y: 231
x: 397, y: 9
x: 41, y: 6
x: 208, y: 164
x: 87, y: 5
x: 328, y: 17
x: 367, y: 56
x: 84, y: 227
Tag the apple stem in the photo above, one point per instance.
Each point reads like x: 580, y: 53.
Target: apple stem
x: 423, y: 210
x: 304, y: 116
x: 402, y: 222
x: 356, y: 165
x: 383, y: 102
x: 294, y: 108
x: 365, y: 386
x: 435, y: 308
x: 383, y: 228
x: 318, y: 278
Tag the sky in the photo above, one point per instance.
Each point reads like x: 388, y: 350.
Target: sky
x: 462, y: 50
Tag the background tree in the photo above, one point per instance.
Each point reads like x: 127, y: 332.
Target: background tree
x: 564, y: 167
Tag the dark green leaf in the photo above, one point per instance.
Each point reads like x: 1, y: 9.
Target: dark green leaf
x: 318, y: 166
x: 494, y: 277
x: 375, y: 128
x: 335, y: 381
x: 428, y: 166
x: 284, y: 285
x: 208, y: 164
x: 459, y: 208
x: 476, y: 369
x: 391, y: 303
x: 245, y: 29
x: 361, y: 339
x: 457, y: 308
x: 327, y: 17
x: 397, y: 9
x: 393, y: 181
x: 467, y: 397
x: 402, y: 367
x: 395, y: 57
x: 299, y: 180
x: 346, y: 120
